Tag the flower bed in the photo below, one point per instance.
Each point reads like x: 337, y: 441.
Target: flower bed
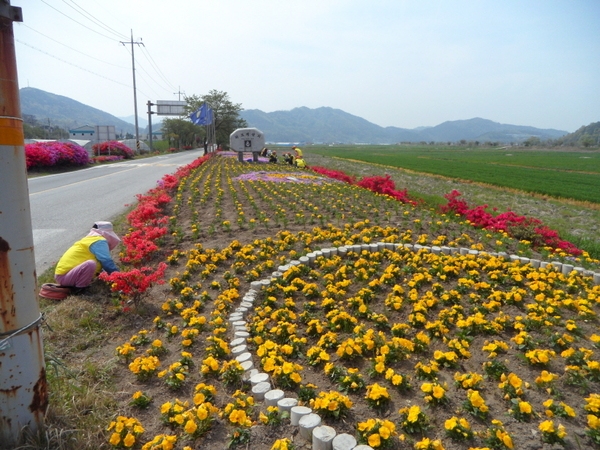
x: 112, y: 148
x: 55, y: 154
x: 395, y: 345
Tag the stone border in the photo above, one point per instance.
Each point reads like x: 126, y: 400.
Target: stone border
x: 324, y: 437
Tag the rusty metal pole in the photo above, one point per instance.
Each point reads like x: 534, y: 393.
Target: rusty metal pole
x: 23, y: 386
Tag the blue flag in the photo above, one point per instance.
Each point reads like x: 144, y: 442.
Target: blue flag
x: 203, y: 116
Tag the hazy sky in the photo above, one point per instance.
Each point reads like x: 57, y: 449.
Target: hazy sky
x: 392, y: 62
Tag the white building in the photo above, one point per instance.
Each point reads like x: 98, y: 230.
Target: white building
x: 84, y: 133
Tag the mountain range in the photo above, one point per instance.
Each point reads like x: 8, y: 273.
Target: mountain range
x: 65, y: 112
x: 329, y: 125
x: 319, y: 125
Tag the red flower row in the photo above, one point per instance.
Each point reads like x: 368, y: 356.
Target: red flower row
x: 519, y: 227
x: 149, y: 224
x: 381, y: 185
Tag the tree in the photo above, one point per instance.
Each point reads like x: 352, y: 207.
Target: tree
x: 587, y: 141
x: 532, y: 141
x: 181, y: 132
x: 48, y: 132
x: 226, y: 114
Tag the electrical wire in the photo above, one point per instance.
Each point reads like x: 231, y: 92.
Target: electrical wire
x: 156, y: 67
x: 70, y: 18
x: 139, y: 66
x: 79, y: 67
x: 107, y: 28
x: 71, y: 48
x: 91, y: 17
x: 150, y: 76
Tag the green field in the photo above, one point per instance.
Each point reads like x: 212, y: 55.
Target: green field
x: 561, y: 174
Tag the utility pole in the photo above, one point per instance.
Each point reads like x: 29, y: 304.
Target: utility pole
x: 23, y: 384
x: 137, y: 131
x: 179, y: 93
x: 150, y: 112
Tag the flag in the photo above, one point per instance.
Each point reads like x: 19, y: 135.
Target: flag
x: 203, y: 116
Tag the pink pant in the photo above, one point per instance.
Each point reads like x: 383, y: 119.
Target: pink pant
x: 79, y: 276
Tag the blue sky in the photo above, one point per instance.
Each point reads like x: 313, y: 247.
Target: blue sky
x: 394, y: 63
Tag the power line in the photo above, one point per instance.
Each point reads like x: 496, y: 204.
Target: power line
x: 75, y: 50
x: 75, y: 65
x: 89, y: 16
x: 70, y: 18
x: 105, y: 27
x: 96, y: 21
x: 156, y: 67
x: 146, y: 72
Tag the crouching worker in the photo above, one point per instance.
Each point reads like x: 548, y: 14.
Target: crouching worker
x: 87, y: 257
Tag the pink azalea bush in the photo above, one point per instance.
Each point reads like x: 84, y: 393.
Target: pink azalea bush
x: 106, y: 158
x: 519, y: 227
x: 55, y: 154
x: 112, y: 148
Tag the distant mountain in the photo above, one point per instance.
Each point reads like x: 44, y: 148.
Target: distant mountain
x: 586, y: 136
x: 142, y: 123
x: 485, y: 130
x: 328, y: 125
x: 66, y: 112
x: 320, y: 125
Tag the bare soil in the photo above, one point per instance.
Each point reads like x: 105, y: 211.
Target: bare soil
x: 86, y: 329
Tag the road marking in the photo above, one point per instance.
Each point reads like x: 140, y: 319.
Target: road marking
x: 41, y: 233
x: 120, y: 165
x: 77, y: 182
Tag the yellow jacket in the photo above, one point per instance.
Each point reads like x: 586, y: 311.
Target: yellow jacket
x: 78, y: 253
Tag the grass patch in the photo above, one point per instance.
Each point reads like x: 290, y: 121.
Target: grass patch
x: 88, y: 387
x: 574, y: 174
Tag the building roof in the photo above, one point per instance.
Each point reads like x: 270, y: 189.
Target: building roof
x: 84, y: 128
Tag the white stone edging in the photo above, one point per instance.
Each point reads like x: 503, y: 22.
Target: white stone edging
x: 324, y: 437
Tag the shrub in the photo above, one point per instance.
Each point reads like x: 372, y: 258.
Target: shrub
x: 110, y: 148
x: 518, y: 227
x: 52, y: 154
x: 334, y: 174
x: 381, y: 185
x: 384, y: 185
x: 104, y: 158
x: 70, y: 154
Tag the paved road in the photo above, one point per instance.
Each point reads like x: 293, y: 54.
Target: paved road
x: 65, y: 206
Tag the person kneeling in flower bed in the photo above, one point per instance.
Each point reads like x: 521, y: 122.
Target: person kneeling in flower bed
x: 87, y: 257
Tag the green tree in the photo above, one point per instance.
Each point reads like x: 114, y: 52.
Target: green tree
x: 587, y: 141
x: 226, y: 113
x: 181, y: 132
x: 50, y: 132
x: 532, y: 141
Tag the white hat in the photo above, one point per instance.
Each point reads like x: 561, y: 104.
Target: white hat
x: 105, y: 229
x: 102, y: 225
